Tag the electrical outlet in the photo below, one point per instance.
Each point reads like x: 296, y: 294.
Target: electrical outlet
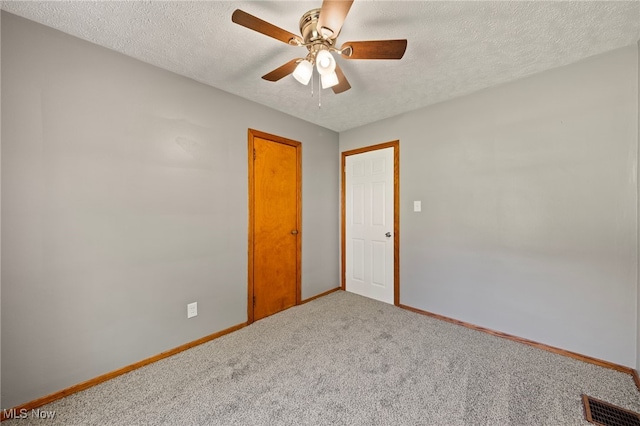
x: 192, y: 310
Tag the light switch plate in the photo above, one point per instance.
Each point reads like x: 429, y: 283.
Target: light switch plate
x: 417, y: 206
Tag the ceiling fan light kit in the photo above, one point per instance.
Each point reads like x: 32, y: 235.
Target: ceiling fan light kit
x: 325, y: 63
x: 329, y: 80
x: 320, y: 29
x: 303, y: 72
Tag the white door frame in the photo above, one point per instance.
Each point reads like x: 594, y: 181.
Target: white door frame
x: 396, y: 212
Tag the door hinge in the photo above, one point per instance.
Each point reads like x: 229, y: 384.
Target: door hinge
x: 254, y: 153
x: 254, y: 301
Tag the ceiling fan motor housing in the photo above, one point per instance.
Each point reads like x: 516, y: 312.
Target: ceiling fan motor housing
x: 310, y: 31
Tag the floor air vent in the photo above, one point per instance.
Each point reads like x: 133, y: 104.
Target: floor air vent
x: 605, y: 414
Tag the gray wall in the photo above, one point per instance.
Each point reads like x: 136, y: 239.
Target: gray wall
x: 638, y: 198
x: 124, y: 197
x: 528, y: 222
x: 0, y: 212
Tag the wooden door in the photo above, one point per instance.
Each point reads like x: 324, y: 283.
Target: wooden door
x: 274, y: 224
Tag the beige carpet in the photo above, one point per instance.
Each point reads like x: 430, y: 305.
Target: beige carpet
x: 347, y: 360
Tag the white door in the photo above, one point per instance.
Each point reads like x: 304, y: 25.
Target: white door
x: 369, y: 224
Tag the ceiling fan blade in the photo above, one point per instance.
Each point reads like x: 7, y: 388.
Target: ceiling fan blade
x: 332, y: 15
x: 282, y: 71
x: 374, y: 49
x: 343, y: 85
x: 256, y: 24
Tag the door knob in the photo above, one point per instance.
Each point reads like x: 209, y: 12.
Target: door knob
x: 294, y: 232
x: 388, y: 234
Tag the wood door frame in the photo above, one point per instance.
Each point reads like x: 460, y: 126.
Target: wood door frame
x: 298, y: 146
x: 396, y: 212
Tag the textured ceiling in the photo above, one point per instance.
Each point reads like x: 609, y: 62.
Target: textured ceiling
x: 454, y: 48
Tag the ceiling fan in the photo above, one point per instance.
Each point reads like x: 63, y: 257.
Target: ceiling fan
x: 320, y: 29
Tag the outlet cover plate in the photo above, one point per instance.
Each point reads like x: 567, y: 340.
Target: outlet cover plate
x: 192, y: 310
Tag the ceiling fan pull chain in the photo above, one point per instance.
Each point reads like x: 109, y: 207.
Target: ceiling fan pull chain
x: 312, y: 84
x: 319, y: 95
